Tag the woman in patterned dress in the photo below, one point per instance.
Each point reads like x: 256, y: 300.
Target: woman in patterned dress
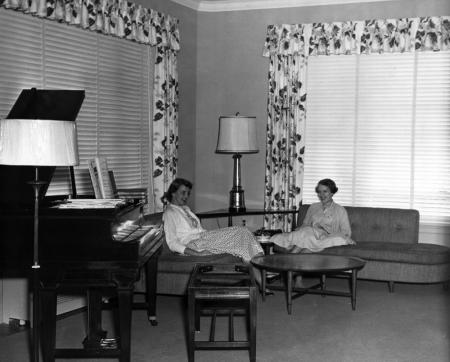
x: 185, y: 234
x: 326, y: 224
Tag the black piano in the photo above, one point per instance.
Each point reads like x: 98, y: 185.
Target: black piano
x: 94, y: 251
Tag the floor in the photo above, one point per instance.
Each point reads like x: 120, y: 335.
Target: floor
x: 410, y: 325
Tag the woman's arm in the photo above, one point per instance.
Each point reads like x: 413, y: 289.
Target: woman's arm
x: 173, y: 223
x: 344, y: 223
x: 307, y: 221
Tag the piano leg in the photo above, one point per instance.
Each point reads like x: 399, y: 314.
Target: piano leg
x: 151, y: 272
x: 125, y: 299
x: 94, y: 316
x: 48, y: 315
x: 96, y: 344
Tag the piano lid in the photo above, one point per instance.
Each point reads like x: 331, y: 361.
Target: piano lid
x: 56, y: 104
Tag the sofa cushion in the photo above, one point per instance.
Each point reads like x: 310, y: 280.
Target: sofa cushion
x: 421, y: 253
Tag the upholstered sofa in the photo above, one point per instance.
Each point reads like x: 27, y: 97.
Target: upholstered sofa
x: 387, y: 239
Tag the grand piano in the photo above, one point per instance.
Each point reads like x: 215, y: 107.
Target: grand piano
x: 95, y: 251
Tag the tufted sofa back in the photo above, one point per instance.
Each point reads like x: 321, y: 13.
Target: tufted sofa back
x: 379, y: 224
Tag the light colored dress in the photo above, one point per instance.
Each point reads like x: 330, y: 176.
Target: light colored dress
x: 183, y: 230
x: 321, y: 228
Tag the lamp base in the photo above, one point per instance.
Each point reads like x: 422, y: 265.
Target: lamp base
x: 237, y: 202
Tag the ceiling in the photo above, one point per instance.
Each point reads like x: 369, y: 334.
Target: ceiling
x: 235, y: 5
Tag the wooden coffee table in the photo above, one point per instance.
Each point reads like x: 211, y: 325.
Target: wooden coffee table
x: 304, y: 264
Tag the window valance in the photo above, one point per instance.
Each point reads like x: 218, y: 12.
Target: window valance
x: 364, y: 37
x: 111, y: 17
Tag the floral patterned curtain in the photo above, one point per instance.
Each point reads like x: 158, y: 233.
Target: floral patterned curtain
x: 111, y: 17
x: 132, y: 22
x: 288, y: 46
x: 165, y: 123
x: 285, y: 126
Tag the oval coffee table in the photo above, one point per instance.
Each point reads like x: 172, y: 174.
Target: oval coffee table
x: 309, y: 264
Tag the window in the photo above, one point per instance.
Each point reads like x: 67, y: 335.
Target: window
x: 379, y: 125
x: 116, y: 75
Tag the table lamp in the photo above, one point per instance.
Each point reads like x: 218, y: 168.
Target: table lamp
x: 237, y: 135
x: 37, y: 142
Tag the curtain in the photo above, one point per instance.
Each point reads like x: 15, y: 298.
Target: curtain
x: 285, y: 123
x: 288, y: 47
x: 133, y: 22
x: 285, y: 128
x: 165, y: 123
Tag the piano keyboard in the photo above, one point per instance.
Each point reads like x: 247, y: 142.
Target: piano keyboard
x: 148, y: 235
x: 129, y: 230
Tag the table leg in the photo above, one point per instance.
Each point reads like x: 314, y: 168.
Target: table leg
x: 322, y: 284
x: 192, y: 321
x: 263, y: 283
x: 289, y: 290
x: 353, y: 288
x: 252, y: 322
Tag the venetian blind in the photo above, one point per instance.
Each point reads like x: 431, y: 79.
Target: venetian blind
x: 379, y: 125
x: 116, y: 75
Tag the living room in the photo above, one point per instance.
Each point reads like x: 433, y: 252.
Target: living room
x: 222, y: 71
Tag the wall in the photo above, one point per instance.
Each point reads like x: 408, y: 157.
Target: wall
x: 232, y: 77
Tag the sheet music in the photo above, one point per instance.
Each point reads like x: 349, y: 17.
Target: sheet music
x: 98, y: 169
x: 91, y: 204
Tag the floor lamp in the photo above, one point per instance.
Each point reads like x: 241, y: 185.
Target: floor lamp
x: 37, y: 142
x: 237, y: 135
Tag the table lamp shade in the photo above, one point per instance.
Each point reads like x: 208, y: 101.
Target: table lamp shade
x: 38, y: 142
x: 237, y: 134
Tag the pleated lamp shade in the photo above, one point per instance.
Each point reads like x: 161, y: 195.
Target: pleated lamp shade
x: 237, y: 134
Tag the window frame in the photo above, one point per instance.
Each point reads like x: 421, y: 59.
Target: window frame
x: 49, y: 55
x: 354, y: 110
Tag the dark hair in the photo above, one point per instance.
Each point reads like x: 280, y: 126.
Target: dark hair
x: 328, y: 183
x: 174, y: 186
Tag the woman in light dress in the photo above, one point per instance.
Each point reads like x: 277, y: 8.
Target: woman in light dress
x: 325, y: 225
x: 185, y: 234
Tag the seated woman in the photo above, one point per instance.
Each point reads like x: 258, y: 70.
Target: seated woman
x: 185, y: 234
x: 326, y: 224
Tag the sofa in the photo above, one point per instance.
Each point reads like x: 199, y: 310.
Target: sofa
x: 387, y: 239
